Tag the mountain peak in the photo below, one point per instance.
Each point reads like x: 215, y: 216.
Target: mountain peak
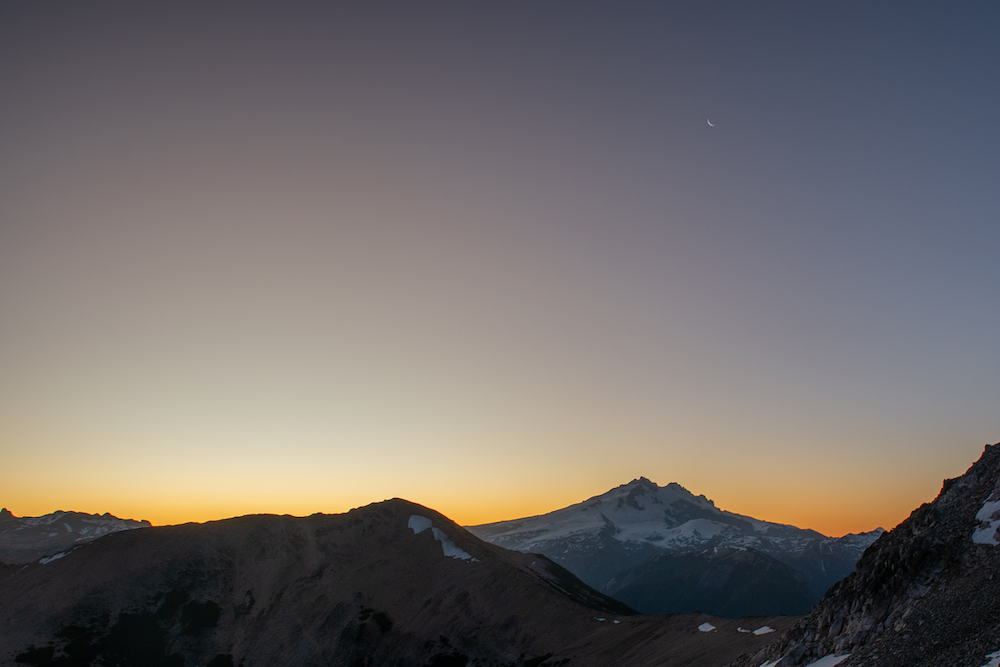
x: 608, y: 534
x: 653, y: 486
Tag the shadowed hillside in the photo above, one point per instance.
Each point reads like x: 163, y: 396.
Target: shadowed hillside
x: 389, y: 584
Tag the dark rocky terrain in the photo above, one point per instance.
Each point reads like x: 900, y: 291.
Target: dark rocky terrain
x: 640, y: 532
x: 392, y: 583
x: 27, y: 539
x: 926, y: 593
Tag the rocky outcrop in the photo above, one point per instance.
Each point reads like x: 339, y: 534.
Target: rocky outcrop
x: 725, y: 581
x: 924, y: 594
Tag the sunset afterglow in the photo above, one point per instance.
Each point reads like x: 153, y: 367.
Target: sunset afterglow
x: 493, y: 258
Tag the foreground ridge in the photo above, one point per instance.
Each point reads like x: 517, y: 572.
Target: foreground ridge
x: 924, y: 594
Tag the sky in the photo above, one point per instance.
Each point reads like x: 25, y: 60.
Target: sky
x: 492, y: 257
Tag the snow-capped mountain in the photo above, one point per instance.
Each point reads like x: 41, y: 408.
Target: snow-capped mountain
x: 27, y: 539
x: 605, y: 536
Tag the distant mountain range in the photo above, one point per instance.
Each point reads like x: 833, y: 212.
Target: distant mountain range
x: 661, y: 549
x: 27, y: 539
x: 392, y: 584
x: 924, y: 594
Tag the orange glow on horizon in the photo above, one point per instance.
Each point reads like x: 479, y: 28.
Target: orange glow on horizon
x: 823, y: 518
x: 848, y: 499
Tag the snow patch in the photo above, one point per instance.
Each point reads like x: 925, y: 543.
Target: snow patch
x: 764, y: 630
x: 994, y: 660
x: 743, y: 630
x: 600, y: 619
x: 419, y: 524
x: 616, y: 621
x: 49, y: 559
x: 986, y: 514
x: 706, y: 627
x: 449, y: 547
x: 829, y: 660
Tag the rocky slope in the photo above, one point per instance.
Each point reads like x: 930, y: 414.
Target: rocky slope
x: 27, y: 539
x: 923, y: 594
x: 389, y: 584
x: 728, y: 581
x: 605, y: 537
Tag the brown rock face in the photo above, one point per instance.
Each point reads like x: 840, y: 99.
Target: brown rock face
x: 361, y: 588
x: 924, y: 594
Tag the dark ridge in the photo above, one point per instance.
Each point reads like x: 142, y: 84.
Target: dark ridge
x: 923, y: 594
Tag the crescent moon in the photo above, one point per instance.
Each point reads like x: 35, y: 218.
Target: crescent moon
x: 709, y: 123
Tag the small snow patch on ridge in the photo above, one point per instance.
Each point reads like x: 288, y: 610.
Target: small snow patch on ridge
x: 986, y: 533
x: 419, y: 524
x: 52, y: 558
x: 825, y: 661
x: 994, y: 659
x: 706, y: 627
x: 764, y: 630
x: 829, y: 660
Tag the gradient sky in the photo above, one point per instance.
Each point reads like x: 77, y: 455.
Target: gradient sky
x: 490, y: 257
